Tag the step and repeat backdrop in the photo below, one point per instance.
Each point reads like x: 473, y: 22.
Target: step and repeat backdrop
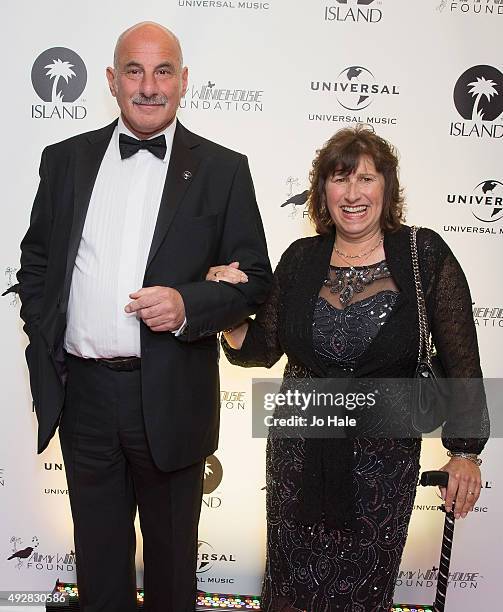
x: 273, y: 80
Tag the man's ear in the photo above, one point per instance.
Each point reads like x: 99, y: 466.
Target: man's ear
x: 185, y: 80
x: 111, y: 81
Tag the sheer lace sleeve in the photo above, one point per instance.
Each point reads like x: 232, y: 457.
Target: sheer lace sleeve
x: 455, y: 338
x: 261, y: 346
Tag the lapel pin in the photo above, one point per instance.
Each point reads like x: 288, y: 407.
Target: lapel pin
x: 187, y: 175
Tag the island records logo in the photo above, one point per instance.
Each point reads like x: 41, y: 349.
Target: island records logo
x: 213, y: 474
x: 59, y: 77
x: 478, y: 98
x: 356, y: 11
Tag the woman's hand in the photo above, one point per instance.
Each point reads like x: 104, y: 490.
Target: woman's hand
x: 230, y: 274
x: 236, y: 336
x: 464, y: 486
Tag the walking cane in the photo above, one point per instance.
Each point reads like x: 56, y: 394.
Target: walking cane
x: 440, y: 479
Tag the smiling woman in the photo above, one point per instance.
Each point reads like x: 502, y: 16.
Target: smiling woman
x: 374, y: 161
x: 343, y: 306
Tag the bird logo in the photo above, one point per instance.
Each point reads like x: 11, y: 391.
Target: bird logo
x: 299, y: 199
x: 12, y: 288
x: 23, y: 553
x: 294, y: 199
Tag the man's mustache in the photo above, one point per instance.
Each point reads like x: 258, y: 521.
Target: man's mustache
x: 157, y: 100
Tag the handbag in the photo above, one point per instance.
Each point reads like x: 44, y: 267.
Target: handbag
x: 430, y: 393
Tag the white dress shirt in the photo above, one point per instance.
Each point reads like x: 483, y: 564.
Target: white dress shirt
x: 113, y: 251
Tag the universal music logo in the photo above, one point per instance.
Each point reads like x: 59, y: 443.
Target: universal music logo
x: 366, y: 11
x: 59, y: 77
x: 207, y: 559
x: 55, y: 467
x: 212, y: 96
x: 428, y: 578
x: 485, y: 201
x: 439, y: 508
x: 32, y: 558
x: 478, y: 7
x: 486, y: 485
x: 478, y: 98
x: 355, y: 89
x: 225, y: 4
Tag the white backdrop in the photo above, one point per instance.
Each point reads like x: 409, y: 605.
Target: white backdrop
x: 297, y: 72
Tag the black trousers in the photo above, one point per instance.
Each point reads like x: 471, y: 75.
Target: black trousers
x: 110, y: 474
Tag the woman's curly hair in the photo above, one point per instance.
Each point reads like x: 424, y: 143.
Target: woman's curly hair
x: 341, y: 154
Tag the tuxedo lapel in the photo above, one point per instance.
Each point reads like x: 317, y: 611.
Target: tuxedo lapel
x: 182, y: 168
x: 87, y: 164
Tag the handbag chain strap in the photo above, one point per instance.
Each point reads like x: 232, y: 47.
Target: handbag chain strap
x: 424, y: 332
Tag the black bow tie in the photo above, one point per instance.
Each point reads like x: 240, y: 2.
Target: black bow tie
x: 128, y: 146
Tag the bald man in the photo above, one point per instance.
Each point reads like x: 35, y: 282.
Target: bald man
x: 122, y: 326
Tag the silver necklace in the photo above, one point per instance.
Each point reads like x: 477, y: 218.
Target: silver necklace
x: 358, y: 255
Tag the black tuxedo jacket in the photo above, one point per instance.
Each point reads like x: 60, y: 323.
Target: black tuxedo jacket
x: 208, y: 215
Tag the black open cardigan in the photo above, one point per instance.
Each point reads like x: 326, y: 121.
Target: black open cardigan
x: 284, y: 325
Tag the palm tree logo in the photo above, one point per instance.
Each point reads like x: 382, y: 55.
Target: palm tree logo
x: 478, y: 89
x: 59, y: 70
x: 213, y: 474
x: 207, y: 469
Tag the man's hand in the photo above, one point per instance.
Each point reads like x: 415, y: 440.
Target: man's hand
x: 161, y: 308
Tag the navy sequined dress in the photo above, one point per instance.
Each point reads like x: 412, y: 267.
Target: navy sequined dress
x: 315, y: 568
